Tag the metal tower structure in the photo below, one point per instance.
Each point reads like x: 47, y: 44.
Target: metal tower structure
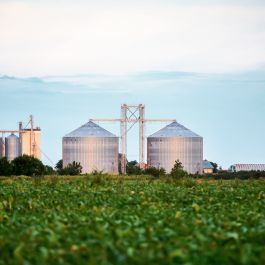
x: 132, y: 114
x: 20, y: 131
x: 32, y: 137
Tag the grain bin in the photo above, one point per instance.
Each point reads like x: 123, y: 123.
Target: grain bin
x: 30, y: 142
x: 11, y: 147
x: 93, y: 147
x: 175, y: 142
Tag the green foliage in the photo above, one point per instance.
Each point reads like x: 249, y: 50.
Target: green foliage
x: 59, y: 165
x: 48, y: 170
x: 97, y: 173
x: 71, y: 169
x: 76, y: 220
x: 99, y: 178
x: 28, y: 166
x: 24, y: 165
x: 5, y: 167
x: 215, y: 167
x: 177, y: 171
x: 236, y: 175
x: 132, y: 168
x: 155, y: 172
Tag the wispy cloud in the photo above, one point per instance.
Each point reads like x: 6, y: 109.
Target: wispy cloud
x: 140, y: 82
x: 66, y: 37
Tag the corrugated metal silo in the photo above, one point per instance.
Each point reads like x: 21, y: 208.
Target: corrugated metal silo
x: 11, y: 147
x: 93, y: 147
x: 175, y: 142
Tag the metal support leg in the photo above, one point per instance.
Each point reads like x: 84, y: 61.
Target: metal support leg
x: 141, y: 137
x: 123, y: 138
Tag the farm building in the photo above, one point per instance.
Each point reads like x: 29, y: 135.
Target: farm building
x: 207, y: 167
x: 247, y: 167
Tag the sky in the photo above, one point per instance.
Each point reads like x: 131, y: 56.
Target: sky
x: 200, y: 62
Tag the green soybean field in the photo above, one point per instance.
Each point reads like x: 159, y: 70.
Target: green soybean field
x: 131, y: 220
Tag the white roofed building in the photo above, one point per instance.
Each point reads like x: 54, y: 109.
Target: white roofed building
x: 247, y: 167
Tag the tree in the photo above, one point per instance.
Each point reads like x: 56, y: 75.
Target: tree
x: 132, y: 168
x: 48, y: 170
x: 5, y: 167
x: 155, y: 172
x: 215, y: 167
x: 72, y: 169
x: 59, y: 164
x: 177, y: 172
x: 27, y: 165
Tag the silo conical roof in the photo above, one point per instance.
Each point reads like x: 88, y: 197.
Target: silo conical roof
x: 12, y: 136
x: 207, y: 164
x: 90, y: 129
x: 174, y: 130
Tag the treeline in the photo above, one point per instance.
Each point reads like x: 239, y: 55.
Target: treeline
x: 177, y: 171
x: 71, y: 169
x: 24, y: 165
x: 234, y: 175
x: 31, y: 166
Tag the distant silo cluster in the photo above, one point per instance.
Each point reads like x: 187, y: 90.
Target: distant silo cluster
x: 175, y: 142
x: 95, y: 148
x: 26, y: 142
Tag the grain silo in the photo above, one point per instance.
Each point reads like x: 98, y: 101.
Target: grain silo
x: 11, y: 147
x: 175, y: 142
x: 93, y: 147
x: 30, y: 141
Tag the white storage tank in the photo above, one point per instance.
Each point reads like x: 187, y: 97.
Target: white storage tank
x: 175, y: 142
x: 93, y: 147
x: 11, y: 147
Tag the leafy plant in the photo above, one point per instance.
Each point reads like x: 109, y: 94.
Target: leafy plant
x: 155, y: 172
x: 5, y: 167
x: 59, y: 165
x: 132, y: 168
x: 28, y: 166
x: 177, y: 171
x: 48, y: 170
x: 66, y: 220
x: 71, y: 169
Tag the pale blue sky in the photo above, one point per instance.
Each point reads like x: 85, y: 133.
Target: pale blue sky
x: 201, y: 64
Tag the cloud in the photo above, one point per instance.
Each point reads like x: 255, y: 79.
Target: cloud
x: 47, y: 39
